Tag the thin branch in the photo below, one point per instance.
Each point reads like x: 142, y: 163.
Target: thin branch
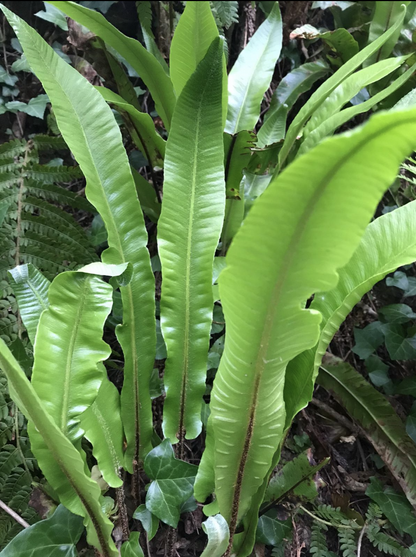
x: 360, y: 540
x: 14, y: 515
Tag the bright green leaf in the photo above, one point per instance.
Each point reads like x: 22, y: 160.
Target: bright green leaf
x: 252, y: 73
x: 191, y: 218
x: 31, y: 291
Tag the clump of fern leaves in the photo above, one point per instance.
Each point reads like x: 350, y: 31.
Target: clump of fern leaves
x: 351, y: 535
x: 16, y: 467
x: 34, y: 228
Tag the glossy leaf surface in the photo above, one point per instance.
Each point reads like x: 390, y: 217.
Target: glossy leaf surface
x: 102, y: 425
x: 63, y: 466
x: 252, y: 73
x: 188, y: 232
x: 149, y: 521
x: 132, y: 548
x: 145, y: 64
x: 88, y: 127
x: 288, y: 91
x: 350, y: 87
x: 172, y: 483
x: 152, y: 144
x: 386, y: 14
x: 329, y: 85
x: 237, y: 155
x: 302, y: 248
x: 216, y: 528
x: 31, y: 290
x: 196, y: 27
x: 69, y: 346
x: 382, y: 426
x: 55, y: 537
x: 328, y: 126
x: 389, y: 242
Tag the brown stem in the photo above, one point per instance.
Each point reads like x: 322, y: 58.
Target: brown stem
x: 124, y: 518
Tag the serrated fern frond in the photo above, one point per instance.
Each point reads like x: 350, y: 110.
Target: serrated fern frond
x: 225, y: 13
x: 319, y: 546
x: 35, y: 228
x: 52, y: 174
x: 348, y: 542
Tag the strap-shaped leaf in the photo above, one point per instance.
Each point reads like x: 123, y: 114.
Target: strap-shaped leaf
x: 388, y: 243
x: 329, y: 85
x: 145, y: 64
x: 297, y: 231
x: 147, y: 196
x: 196, y: 27
x: 237, y: 156
x: 350, y: 87
x: 383, y: 427
x: 216, y: 528
x: 252, y: 73
x: 288, y: 91
x: 63, y: 466
x: 150, y: 143
x: 188, y: 232
x: 102, y: 425
x: 88, y: 127
x: 31, y: 290
x: 69, y: 346
x: 385, y: 16
x: 328, y: 126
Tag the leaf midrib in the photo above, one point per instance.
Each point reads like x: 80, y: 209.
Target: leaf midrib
x: 296, y: 238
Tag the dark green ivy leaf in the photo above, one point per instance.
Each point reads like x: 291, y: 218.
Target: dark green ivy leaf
x: 149, y: 521
x: 172, y: 484
x: 272, y: 531
x: 367, y: 340
x: 397, y: 313
x: 400, y: 346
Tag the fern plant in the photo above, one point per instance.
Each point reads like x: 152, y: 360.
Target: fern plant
x: 349, y: 533
x: 34, y: 228
x: 16, y: 467
x: 298, y: 235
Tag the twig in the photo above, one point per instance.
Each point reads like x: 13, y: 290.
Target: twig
x: 14, y: 515
x: 324, y: 521
x: 360, y: 540
x: 334, y: 414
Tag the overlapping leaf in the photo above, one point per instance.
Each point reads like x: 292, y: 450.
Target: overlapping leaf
x: 31, y: 290
x: 55, y: 537
x: 386, y: 15
x: 329, y: 85
x: 68, y: 348
x: 389, y: 242
x: 63, y: 466
x: 102, y: 425
x: 145, y: 64
x: 188, y: 233
x: 376, y: 416
x: 89, y: 129
x: 337, y: 119
x: 289, y: 89
x: 150, y: 142
x: 251, y: 74
x: 295, y: 230
x: 172, y: 483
